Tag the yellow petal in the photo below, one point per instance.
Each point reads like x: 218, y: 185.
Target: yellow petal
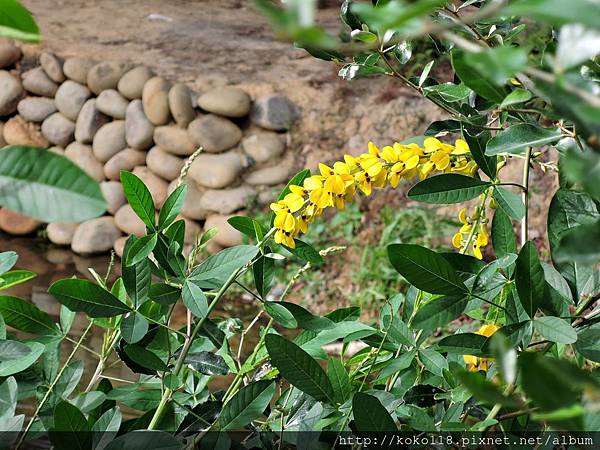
x: 373, y: 150
x: 457, y: 240
x: 432, y: 144
x: 460, y: 147
x: 412, y: 162
x: 470, y: 359
x: 462, y: 216
x: 325, y: 170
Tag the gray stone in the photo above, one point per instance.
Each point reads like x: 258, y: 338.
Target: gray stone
x: 124, y: 160
x: 70, y: 98
x: 36, y: 109
x: 111, y: 103
x: 174, y: 140
x: 9, y: 54
x: 77, y: 69
x: 128, y: 221
x: 156, y: 185
x: 83, y: 157
x: 61, y: 233
x: 164, y: 164
x: 192, y: 230
x: 155, y: 98
x: 53, y: 66
x: 106, y: 75
x: 217, y: 171
x: 226, y: 101
x: 262, y: 147
x: 119, y: 246
x: 131, y: 85
x: 58, y: 129
x: 109, y: 140
x: 113, y: 194
x: 191, y: 205
x: 274, y: 112
x: 18, y: 132
x: 90, y: 120
x: 95, y: 236
x: 214, y: 134
x: 138, y: 129
x: 269, y: 176
x: 180, y: 104
x: 11, y: 92
x: 226, y: 201
x: 226, y: 236
x: 37, y: 82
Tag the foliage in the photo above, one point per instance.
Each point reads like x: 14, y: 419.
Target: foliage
x: 522, y: 361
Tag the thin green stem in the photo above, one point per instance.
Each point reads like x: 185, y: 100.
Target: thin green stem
x: 525, y: 196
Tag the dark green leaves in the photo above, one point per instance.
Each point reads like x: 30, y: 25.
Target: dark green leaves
x: 134, y: 327
x: 510, y: 202
x: 10, y: 350
x: 439, y: 312
x: 306, y: 252
x: 82, y: 295
x: 555, y: 329
x: 299, y: 368
x: 17, y: 23
x: 476, y: 80
x: 145, y: 358
x: 25, y: 316
x: 67, y: 418
x: 503, y: 234
x: 370, y: 415
x: 194, y: 299
x: 517, y: 138
x: 425, y: 269
x: 477, y: 144
x: 529, y: 279
x: 498, y: 63
x: 207, y: 363
x: 215, y: 270
x: 139, y: 198
x: 247, y: 405
x: 463, y: 344
x: 448, y: 188
x: 140, y: 249
x: 171, y: 207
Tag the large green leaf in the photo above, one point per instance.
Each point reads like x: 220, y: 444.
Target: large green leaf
x: 134, y: 327
x: 425, y: 269
x: 448, y: 188
x: 16, y: 22
x: 25, y: 316
x: 510, y: 202
x: 10, y: 350
x: 439, y: 312
x: 558, y: 12
x: 171, y: 207
x: 517, y: 138
x: 194, y: 299
x: 207, y: 363
x: 215, y: 270
x: 85, y: 296
x: 47, y: 186
x: 503, y: 234
x: 263, y: 271
x: 340, y: 381
x: 370, y: 415
x: 580, y: 245
x: 555, y: 329
x: 11, y: 367
x: 139, y: 198
x: 463, y: 344
x: 247, y: 405
x: 476, y: 80
x: 306, y: 252
x: 137, y: 278
x: 140, y: 249
x: 15, y: 277
x: 71, y: 428
x: 299, y: 368
x: 8, y: 398
x: 145, y: 357
x: 477, y: 143
x: 529, y: 279
x: 588, y: 342
x: 106, y: 428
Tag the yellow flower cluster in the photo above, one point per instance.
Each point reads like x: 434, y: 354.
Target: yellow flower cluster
x: 336, y: 185
x: 475, y: 363
x: 473, y: 232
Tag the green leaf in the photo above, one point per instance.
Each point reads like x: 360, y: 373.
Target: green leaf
x: 134, y: 327
x: 448, y: 188
x: 555, y: 329
x: 439, y: 312
x: 164, y: 294
x: 207, y: 363
x: 71, y: 428
x: 306, y: 252
x: 510, y: 202
x: 433, y: 361
x: 10, y: 350
x: 194, y: 299
x: 214, y: 271
x: 8, y: 398
x: 137, y: 278
x: 425, y: 269
x: 498, y: 64
x: 7, y: 261
x: 503, y: 234
x: 140, y: 249
x: 245, y: 225
x: 145, y: 440
x: 448, y: 92
x: 515, y: 139
x: 370, y: 415
x: 580, y: 244
x: 8, y: 368
x: 145, y: 358
x: 557, y: 12
x: 263, y: 271
x: 47, y: 186
x: 25, y: 316
x: 106, y: 428
x: 340, y: 381
x: 305, y: 319
x: 483, y: 389
x: 299, y: 368
x: 15, y: 277
x: 82, y: 295
x: 139, y: 198
x: 171, y: 207
x: 476, y: 80
x: 247, y: 405
x: 280, y: 314
x: 529, y: 279
x: 582, y: 168
x: 515, y: 97
x: 588, y: 343
x: 477, y: 144
x: 16, y: 22
x: 463, y: 344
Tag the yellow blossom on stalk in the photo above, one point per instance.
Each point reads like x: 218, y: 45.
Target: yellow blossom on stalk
x: 475, y: 363
x: 478, y: 238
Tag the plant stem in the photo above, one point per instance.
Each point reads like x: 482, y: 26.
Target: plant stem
x: 525, y: 196
x: 510, y: 388
x: 106, y: 352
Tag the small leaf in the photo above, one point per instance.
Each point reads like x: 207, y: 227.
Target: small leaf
x: 447, y: 188
x: 25, y: 316
x: 171, y: 207
x: 517, y: 138
x: 207, y: 363
x: 245, y: 225
x: 510, y: 202
x: 8, y: 398
x: 8, y: 368
x: 433, y: 361
x: 463, y: 344
x: 145, y: 358
x: 15, y: 277
x: 529, y: 279
x: 477, y: 144
x: 139, y: 198
x: 340, y: 381
x: 82, y: 295
x: 370, y: 415
x: 306, y: 252
x: 503, y: 234
x: 7, y: 261
x: 439, y: 312
x: 164, y: 294
x: 263, y: 271
x: 215, y: 270
x: 10, y: 350
x: 194, y: 299
x: 515, y: 97
x: 555, y: 329
x: 247, y: 405
x: 140, y: 249
x: 425, y: 72
x: 134, y: 327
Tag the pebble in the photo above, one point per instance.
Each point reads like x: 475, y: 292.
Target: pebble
x: 180, y: 104
x: 214, y: 134
x: 58, y: 129
x: 95, y: 236
x: 262, y: 147
x: 70, y: 98
x: 227, y: 236
x: 174, y: 140
x: 36, y: 109
x: 226, y: 101
x: 191, y: 205
x: 105, y: 75
x: 216, y: 171
x: 119, y: 246
x: 61, y: 233
x: 124, y: 160
x: 37, y: 82
x: 131, y: 85
x: 226, y: 201
x: 155, y: 98
x: 11, y: 92
x: 19, y: 132
x: 164, y: 164
x: 109, y: 140
x: 58, y: 150
x: 269, y: 176
x: 274, y: 112
x: 138, y: 129
x: 14, y: 223
x: 128, y: 222
x: 77, y: 69
x: 192, y: 230
x: 156, y: 185
x: 9, y: 54
x: 111, y: 103
x: 83, y: 157
x: 90, y: 120
x: 113, y: 194
x: 53, y: 67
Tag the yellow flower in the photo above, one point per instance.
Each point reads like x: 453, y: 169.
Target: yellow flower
x: 295, y: 199
x: 481, y: 240
x: 461, y: 147
x: 372, y: 174
x: 441, y: 159
x: 475, y: 363
x: 285, y: 237
x: 404, y: 167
